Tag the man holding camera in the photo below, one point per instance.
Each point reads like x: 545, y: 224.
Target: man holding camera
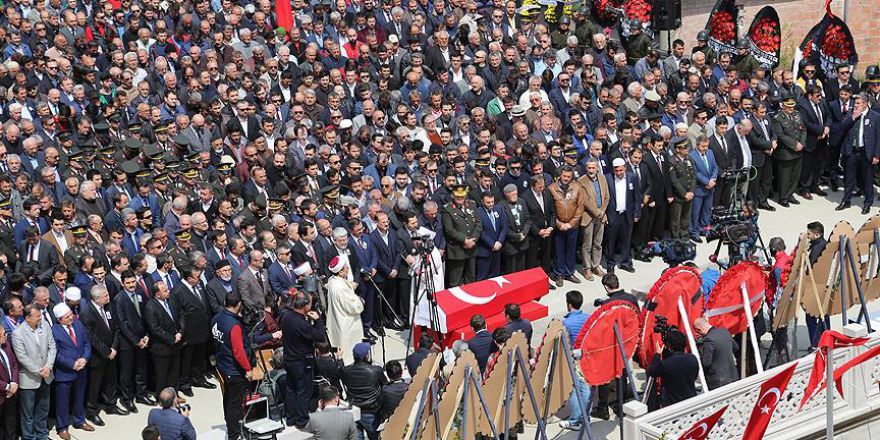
x: 301, y: 330
x: 232, y: 362
x: 172, y: 421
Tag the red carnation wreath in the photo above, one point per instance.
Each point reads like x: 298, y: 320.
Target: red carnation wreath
x: 723, y: 27
x: 638, y: 9
x: 835, y: 43
x: 766, y: 35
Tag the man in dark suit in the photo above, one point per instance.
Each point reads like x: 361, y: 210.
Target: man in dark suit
x: 34, y: 249
x: 860, y: 152
x: 725, y: 156
x: 515, y: 322
x: 104, y: 335
x: 165, y: 325
x: 844, y: 79
x: 192, y: 299
x: 677, y: 369
x: 134, y: 358
x: 387, y: 264
x: 414, y: 359
x: 481, y: 344
x: 492, y: 238
x: 519, y: 224
x: 253, y: 284
x: 659, y: 190
x: 840, y: 109
x: 718, y: 354
x: 281, y: 277
x: 706, y: 171
x: 541, y: 209
x: 814, y: 113
x: 762, y: 141
x: 816, y: 236
x: 307, y: 250
x: 73, y: 351
x: 9, y: 380
x: 220, y: 285
x: 367, y: 258
x: 621, y: 218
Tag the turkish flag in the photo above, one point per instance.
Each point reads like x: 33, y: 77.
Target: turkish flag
x: 701, y: 430
x: 838, y: 372
x: 768, y: 398
x: 284, y: 13
x: 830, y: 339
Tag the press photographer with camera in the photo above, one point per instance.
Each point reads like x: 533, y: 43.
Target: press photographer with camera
x: 301, y: 329
x: 171, y: 419
x: 676, y: 369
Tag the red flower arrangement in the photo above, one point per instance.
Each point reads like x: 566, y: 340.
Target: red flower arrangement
x: 835, y: 43
x: 722, y: 27
x: 639, y: 9
x: 766, y: 35
x: 808, y: 49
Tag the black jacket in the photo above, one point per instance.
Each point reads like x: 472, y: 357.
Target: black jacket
x: 131, y: 323
x: 482, y: 346
x: 392, y: 394
x: 162, y: 328
x: 195, y: 312
x: 103, y: 336
x: 679, y: 373
x: 363, y: 382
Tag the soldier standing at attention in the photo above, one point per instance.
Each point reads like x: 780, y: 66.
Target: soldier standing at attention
x: 78, y: 249
x: 684, y: 180
x: 791, y: 136
x: 637, y: 44
x: 745, y: 63
x: 462, y: 232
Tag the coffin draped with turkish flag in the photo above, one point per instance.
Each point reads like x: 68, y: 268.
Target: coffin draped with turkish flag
x: 456, y: 305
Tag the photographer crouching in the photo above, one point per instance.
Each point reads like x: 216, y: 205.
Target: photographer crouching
x: 171, y: 419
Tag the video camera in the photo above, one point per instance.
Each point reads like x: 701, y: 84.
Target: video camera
x: 673, y: 251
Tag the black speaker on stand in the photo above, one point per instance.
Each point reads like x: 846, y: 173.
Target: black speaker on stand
x: 667, y: 15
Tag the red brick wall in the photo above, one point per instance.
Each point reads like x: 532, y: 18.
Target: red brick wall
x: 796, y: 17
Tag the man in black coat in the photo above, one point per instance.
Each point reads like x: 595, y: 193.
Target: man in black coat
x: 166, y: 325
x: 814, y: 113
x: 762, y: 141
x: 839, y: 109
x: 363, y: 382
x: 515, y: 322
x: 393, y: 391
x: 677, y: 369
x: 416, y: 357
x: 104, y: 335
x: 220, y: 286
x: 725, y: 157
x: 718, y: 354
x: 481, y: 345
x: 844, y: 79
x: 816, y: 235
x: 542, y: 211
x: 658, y: 190
x: 519, y: 223
x: 192, y: 299
x: 134, y: 358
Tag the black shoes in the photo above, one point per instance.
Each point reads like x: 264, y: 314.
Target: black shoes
x: 819, y: 192
x: 842, y: 206
x: 766, y: 207
x: 130, y: 407
x: 205, y: 384
x: 96, y: 420
x: 188, y: 392
x: 573, y: 279
x: 866, y: 209
x: 604, y: 415
x: 627, y: 267
x: 145, y: 400
x: 794, y: 201
x: 116, y: 411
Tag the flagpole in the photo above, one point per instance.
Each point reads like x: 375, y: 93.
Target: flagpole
x: 692, y: 343
x: 829, y: 393
x: 753, y: 335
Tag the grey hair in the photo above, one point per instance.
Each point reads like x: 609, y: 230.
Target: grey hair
x: 339, y: 233
x: 97, y: 291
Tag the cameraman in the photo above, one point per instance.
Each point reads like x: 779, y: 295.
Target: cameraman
x: 614, y: 292
x: 173, y: 423
x: 677, y: 369
x: 232, y: 362
x: 301, y: 330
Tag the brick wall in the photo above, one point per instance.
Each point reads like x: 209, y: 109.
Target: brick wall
x: 796, y: 17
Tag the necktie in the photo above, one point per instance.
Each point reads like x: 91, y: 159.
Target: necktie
x: 144, y: 286
x: 705, y: 160
x: 259, y: 277
x: 137, y: 307
x: 104, y: 316
x: 843, y: 107
x: 168, y: 281
x: 72, y: 335
x: 491, y: 218
x: 198, y: 291
x: 723, y: 145
x: 167, y: 308
x: 33, y: 253
x: 818, y: 113
x: 241, y: 263
x: 134, y: 241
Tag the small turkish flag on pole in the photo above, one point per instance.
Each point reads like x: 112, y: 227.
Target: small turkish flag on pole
x: 830, y: 340
x: 768, y: 398
x: 701, y: 430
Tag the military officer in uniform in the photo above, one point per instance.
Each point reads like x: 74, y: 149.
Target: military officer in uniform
x: 462, y: 230
x: 790, y: 137
x: 78, y: 249
x: 681, y: 172
x: 637, y: 44
x: 160, y: 187
x: 7, y: 243
x: 329, y: 194
x: 180, y: 251
x: 190, y: 180
x: 745, y: 63
x: 871, y: 86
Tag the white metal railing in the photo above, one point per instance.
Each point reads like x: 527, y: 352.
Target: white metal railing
x: 861, y: 397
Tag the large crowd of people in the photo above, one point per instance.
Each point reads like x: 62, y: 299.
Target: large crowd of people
x: 169, y: 171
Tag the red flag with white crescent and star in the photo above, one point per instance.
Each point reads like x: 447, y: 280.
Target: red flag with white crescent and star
x: 701, y: 429
x: 769, y: 396
x: 830, y: 339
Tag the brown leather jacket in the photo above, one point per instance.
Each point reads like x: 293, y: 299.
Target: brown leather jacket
x: 591, y: 210
x: 569, y: 205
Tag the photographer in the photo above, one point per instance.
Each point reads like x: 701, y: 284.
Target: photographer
x: 364, y: 382
x: 678, y: 370
x: 173, y: 422
x: 232, y: 362
x: 301, y: 330
x: 615, y: 293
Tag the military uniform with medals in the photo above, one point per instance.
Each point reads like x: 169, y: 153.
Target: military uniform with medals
x: 790, y: 131
x: 460, y: 223
x: 683, y: 175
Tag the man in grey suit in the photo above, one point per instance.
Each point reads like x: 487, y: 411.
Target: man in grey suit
x: 34, y: 347
x: 717, y: 353
x: 253, y: 283
x: 331, y: 422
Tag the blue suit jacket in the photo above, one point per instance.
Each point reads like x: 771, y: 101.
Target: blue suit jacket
x: 151, y: 202
x: 83, y: 281
x: 172, y: 424
x: 490, y: 235
x: 175, y: 279
x: 371, y: 171
x: 367, y: 256
x: 633, y: 199
x: 872, y: 126
x: 388, y: 257
x: 482, y: 346
x: 704, y: 175
x: 68, y: 352
x: 279, y: 281
x: 128, y: 244
x: 21, y: 228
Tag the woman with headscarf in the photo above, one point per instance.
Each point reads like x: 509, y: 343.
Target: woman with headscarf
x: 344, y: 307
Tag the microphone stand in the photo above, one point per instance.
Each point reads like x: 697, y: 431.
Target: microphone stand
x: 396, y: 318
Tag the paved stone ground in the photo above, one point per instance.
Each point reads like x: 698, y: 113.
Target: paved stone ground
x: 787, y: 223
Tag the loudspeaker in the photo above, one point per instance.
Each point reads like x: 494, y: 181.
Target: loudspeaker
x: 667, y: 15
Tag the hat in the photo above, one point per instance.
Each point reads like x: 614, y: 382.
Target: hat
x: 6, y: 204
x: 678, y: 142
x: 102, y: 126
x: 60, y: 310
x: 345, y: 124
x: 652, y: 95
x: 181, y: 140
x: 130, y: 166
x: 222, y: 264
x: 518, y: 110
x: 161, y: 127
x: 107, y: 150
x: 571, y: 152
x: 703, y: 35
x: 337, y: 263
x: 135, y: 125
x: 654, y: 116
x: 393, y: 38
x: 133, y: 144
x: 330, y: 191
x: 190, y: 173
x: 182, y: 234
x: 275, y: 204
x: 618, y: 162
x: 73, y: 294
x: 160, y: 178
x: 460, y: 191
x: 153, y: 152
x: 742, y: 44
x: 302, y: 269
x: 361, y: 350
x: 77, y: 230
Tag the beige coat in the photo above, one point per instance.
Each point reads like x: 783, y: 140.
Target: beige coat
x: 344, y: 327
x: 591, y: 211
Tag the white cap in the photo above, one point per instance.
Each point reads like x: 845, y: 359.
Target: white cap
x: 618, y: 162
x: 393, y: 38
x: 337, y: 263
x: 302, y: 269
x: 73, y: 294
x: 60, y: 310
x: 227, y: 159
x: 345, y: 124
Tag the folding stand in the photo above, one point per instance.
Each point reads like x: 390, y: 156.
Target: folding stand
x: 471, y: 379
x: 430, y: 388
x: 848, y: 268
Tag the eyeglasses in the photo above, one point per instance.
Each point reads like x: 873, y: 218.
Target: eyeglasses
x: 811, y: 71
x: 844, y: 72
x: 431, y: 170
x: 334, y: 162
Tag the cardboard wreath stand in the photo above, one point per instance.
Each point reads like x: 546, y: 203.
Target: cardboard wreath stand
x: 550, y: 378
x: 415, y: 403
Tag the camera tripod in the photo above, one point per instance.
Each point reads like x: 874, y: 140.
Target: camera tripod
x: 424, y: 288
